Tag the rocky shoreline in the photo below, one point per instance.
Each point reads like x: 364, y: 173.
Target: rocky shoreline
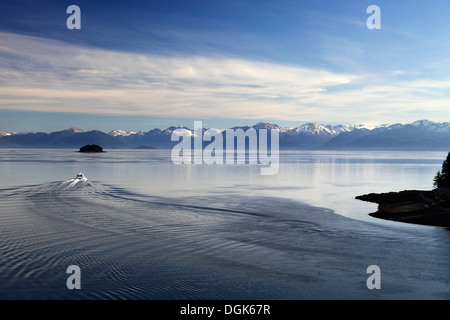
x: 410, y: 206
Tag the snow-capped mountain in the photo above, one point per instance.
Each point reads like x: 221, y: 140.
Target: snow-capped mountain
x: 74, y: 130
x: 364, y: 126
x: 69, y: 138
x: 419, y: 135
x: 342, y: 128
x: 432, y: 126
x: 70, y: 131
x: 314, y: 129
x: 269, y: 126
x: 115, y: 133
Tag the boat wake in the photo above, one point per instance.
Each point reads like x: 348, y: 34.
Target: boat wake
x: 140, y: 246
x: 79, y: 181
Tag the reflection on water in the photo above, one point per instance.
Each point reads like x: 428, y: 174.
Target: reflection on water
x: 143, y: 228
x: 328, y: 179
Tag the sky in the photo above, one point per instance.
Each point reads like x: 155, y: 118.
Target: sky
x: 139, y: 65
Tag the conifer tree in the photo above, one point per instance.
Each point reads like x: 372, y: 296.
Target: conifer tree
x: 442, y: 177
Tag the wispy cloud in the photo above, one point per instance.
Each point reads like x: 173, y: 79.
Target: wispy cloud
x: 43, y: 75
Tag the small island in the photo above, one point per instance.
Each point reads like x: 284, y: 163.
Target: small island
x: 91, y: 148
x: 426, y: 207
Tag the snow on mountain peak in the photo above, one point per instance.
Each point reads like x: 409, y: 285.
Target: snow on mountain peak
x: 423, y: 123
x: 310, y: 129
x: 74, y: 130
x: 366, y: 126
x: 342, y: 128
x: 432, y: 126
x: 268, y: 126
x: 122, y: 133
x: 314, y: 129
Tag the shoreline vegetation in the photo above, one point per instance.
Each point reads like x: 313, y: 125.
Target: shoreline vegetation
x: 413, y: 206
x: 417, y: 206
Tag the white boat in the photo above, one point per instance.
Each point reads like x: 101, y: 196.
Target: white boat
x: 78, y: 182
x: 80, y: 176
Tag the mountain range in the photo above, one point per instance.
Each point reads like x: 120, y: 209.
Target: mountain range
x: 419, y: 135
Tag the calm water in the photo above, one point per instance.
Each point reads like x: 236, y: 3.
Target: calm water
x: 144, y: 228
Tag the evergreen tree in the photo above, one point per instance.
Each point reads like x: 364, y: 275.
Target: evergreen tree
x: 437, y: 179
x: 442, y: 178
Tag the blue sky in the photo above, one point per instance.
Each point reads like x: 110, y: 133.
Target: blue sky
x: 137, y: 65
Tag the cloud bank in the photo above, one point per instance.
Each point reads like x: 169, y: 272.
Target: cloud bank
x: 42, y: 75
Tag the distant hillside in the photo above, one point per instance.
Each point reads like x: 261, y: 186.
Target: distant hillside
x: 70, y: 138
x: 407, y: 137
x: 419, y: 135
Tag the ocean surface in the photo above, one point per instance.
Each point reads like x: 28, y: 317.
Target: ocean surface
x: 142, y: 227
